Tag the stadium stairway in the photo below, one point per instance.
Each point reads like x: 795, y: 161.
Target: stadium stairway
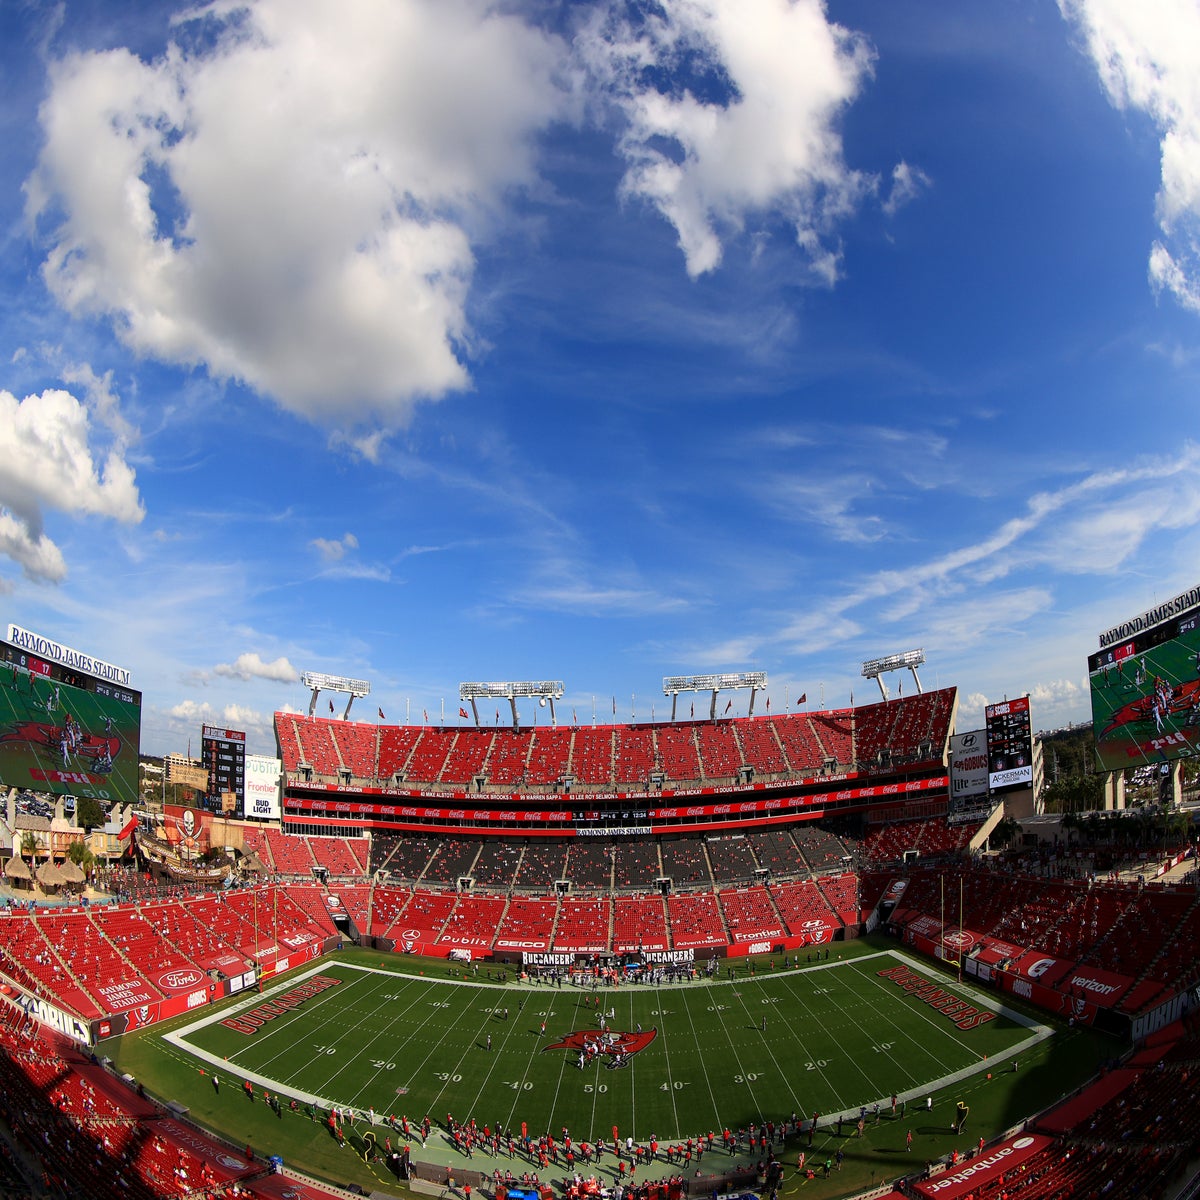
x: 97, y: 1006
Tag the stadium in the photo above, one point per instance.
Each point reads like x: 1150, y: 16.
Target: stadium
x: 828, y: 952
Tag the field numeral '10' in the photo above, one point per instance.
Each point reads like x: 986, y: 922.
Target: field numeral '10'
x: 883, y: 1047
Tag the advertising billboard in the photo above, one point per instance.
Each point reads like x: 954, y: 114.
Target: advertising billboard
x: 1145, y: 690
x: 262, y: 787
x: 1009, y: 745
x: 968, y: 767
x: 69, y: 722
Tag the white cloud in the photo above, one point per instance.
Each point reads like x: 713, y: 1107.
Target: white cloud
x: 335, y: 550
x: 755, y: 132
x: 1148, y: 58
x: 293, y: 206
x: 251, y: 666
x: 908, y: 182
x: 48, y: 461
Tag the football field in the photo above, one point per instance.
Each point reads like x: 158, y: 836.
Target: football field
x: 672, y: 1061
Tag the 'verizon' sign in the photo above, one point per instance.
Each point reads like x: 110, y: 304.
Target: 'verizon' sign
x: 255, y: 1018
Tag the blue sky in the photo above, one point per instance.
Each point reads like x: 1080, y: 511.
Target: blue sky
x: 436, y: 340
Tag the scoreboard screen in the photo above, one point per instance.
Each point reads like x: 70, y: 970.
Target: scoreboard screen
x: 65, y: 730
x: 223, y: 752
x: 1146, y: 694
x: 1009, y: 745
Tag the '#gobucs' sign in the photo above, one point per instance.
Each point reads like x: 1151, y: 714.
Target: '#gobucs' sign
x: 617, y: 1046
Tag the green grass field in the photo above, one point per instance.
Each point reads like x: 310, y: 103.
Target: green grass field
x: 837, y: 1036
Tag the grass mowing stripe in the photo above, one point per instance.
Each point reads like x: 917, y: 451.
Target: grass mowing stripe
x: 666, y: 1049
x: 703, y: 1057
x: 812, y: 1014
x: 759, y: 1027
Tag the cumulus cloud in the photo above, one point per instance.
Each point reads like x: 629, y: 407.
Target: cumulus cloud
x: 49, y: 459
x: 752, y: 127
x: 291, y: 201
x: 251, y: 666
x: 1148, y: 59
x: 335, y: 550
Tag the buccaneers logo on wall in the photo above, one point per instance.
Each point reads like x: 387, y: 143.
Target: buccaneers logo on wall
x: 614, y: 1046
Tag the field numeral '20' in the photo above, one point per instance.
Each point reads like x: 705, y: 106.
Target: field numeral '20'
x: 817, y: 1065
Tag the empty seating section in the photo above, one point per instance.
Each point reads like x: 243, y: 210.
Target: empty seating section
x: 873, y: 732
x: 821, y: 849
x: 452, y: 861
x: 254, y: 841
x: 467, y: 755
x: 528, y: 920
x: 678, y: 757
x: 583, y: 924
x: 749, y: 913
x: 592, y: 756
x: 141, y: 937
x: 395, y: 749
x: 833, y: 731
x: 291, y: 855
x: 425, y: 912
x: 542, y: 865
x: 289, y: 740
x: 358, y: 746
x: 720, y: 754
x: 30, y: 956
x: 304, y: 913
x: 316, y: 745
x: 635, y: 863
x: 474, y: 920
x: 410, y: 857
x: 178, y: 923
x: 633, y: 754
x: 803, y: 752
x: 496, y: 866
x: 387, y: 904
x: 695, y: 920
x: 360, y: 848
x: 800, y: 903
x: 355, y: 901
x: 685, y: 862
x: 775, y: 850
x: 335, y: 855
x: 732, y: 858
x: 841, y: 893
x: 429, y: 755
x: 760, y: 745
x: 550, y: 755
x: 639, y: 922
x: 589, y: 864
x: 505, y: 766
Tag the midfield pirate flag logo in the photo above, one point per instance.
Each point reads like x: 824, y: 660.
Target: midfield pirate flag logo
x: 614, y: 1045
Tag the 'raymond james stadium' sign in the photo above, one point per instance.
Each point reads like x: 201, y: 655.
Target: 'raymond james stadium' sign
x: 49, y: 649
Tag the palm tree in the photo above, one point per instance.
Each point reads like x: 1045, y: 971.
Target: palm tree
x: 81, y: 856
x: 30, y: 845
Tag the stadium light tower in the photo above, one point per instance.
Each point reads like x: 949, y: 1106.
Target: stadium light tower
x: 333, y: 683
x: 878, y: 667
x: 674, y: 684
x: 546, y: 691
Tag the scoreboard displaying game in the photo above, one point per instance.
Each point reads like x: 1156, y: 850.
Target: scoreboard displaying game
x: 1145, y: 686
x: 70, y: 724
x: 223, y: 752
x: 1009, y: 745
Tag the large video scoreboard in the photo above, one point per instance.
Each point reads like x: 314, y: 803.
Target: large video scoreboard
x: 69, y: 723
x: 1009, y: 745
x: 1145, y: 686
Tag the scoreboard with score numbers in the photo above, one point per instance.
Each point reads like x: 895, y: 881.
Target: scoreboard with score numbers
x: 1009, y: 745
x: 223, y: 752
